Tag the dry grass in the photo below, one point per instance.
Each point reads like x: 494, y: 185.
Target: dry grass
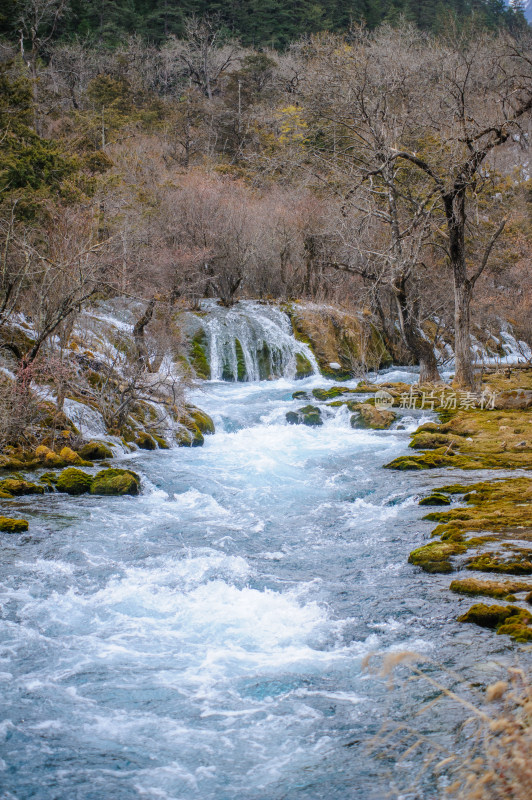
x: 492, y: 759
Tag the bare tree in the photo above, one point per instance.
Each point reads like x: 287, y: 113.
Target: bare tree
x: 387, y: 212
x: 66, y: 271
x: 37, y: 23
x: 204, y: 56
x: 428, y: 113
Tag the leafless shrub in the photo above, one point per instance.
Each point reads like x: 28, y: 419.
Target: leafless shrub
x: 490, y: 759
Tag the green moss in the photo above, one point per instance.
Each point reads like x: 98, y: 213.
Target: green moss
x: 435, y: 499
x: 329, y: 394
x: 473, y: 439
x: 506, y: 620
x: 161, y: 442
x: 116, y: 482
x: 49, y: 479
x: 10, y: 525
x: 69, y: 456
x: 241, y: 371
x: 307, y: 415
x: 303, y: 367
x: 487, y: 616
x: 488, y: 562
x: 145, y: 441
x: 406, y: 463
x: 300, y: 395
x: 435, y: 557
x: 74, y: 481
x: 198, y: 355
x: 201, y: 420
x: 227, y: 372
x: 16, y: 487
x: 95, y: 451
x: 264, y: 360
x: 425, y: 440
x: 189, y: 438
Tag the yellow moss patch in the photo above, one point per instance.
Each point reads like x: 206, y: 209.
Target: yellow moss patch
x: 501, y: 589
x: 10, y: 525
x: 510, y: 620
x: 473, y: 439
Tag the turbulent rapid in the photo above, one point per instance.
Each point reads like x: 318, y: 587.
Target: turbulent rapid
x: 204, y: 640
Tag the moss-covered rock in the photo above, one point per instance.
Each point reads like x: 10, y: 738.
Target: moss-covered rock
x: 487, y: 616
x: 425, y: 440
x: 74, y: 481
x: 303, y: 367
x: 145, y: 441
x: 435, y: 557
x: 47, y: 456
x: 329, y: 394
x: 511, y: 621
x: 69, y: 456
x: 367, y: 416
x: 473, y: 439
x: 10, y: 525
x: 497, y: 589
x: 114, y: 481
x: 406, y: 463
x: 185, y: 437
x: 513, y: 564
x: 337, y: 338
x: 49, y: 479
x: 307, y: 415
x: 161, y: 442
x: 300, y: 395
x: 95, y: 451
x: 201, y: 420
x: 435, y: 499
x: 15, y: 487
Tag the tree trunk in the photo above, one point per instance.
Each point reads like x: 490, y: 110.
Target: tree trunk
x: 428, y: 367
x: 456, y: 221
x: 421, y: 349
x: 464, y: 375
x: 138, y: 335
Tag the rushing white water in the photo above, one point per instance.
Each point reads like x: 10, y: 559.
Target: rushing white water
x: 257, y: 335
x: 203, y: 641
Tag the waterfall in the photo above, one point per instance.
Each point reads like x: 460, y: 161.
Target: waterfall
x: 253, y: 342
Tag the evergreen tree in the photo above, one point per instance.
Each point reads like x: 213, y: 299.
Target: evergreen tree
x: 258, y: 23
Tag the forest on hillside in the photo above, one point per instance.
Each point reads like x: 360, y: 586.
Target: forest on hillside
x: 274, y: 23
x: 383, y: 171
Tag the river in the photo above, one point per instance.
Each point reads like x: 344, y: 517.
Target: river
x: 204, y: 641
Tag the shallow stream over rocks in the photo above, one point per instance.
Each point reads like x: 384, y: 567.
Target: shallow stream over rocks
x: 203, y: 641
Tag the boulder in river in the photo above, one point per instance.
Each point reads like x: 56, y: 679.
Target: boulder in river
x: 145, y: 441
x: 95, y: 451
x: 15, y: 487
x: 307, y: 415
x: 10, y: 525
x: 74, y: 481
x: 114, y: 481
x: 435, y: 499
x: 367, y: 416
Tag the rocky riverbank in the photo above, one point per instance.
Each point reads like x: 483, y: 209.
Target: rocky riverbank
x: 485, y: 527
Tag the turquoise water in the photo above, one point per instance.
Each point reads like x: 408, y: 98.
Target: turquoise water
x: 204, y: 640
